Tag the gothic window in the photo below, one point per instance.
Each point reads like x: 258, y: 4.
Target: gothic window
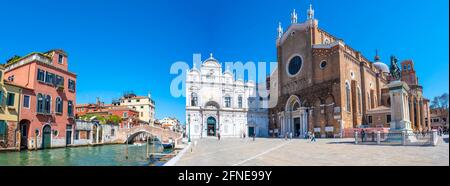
x: 194, y: 100
x: 240, y: 101
x: 227, y: 101
x: 59, y: 105
x: 41, y: 75
x: 40, y: 103
x: 347, y: 94
x: 60, y: 59
x: 294, y: 66
x: 47, y: 104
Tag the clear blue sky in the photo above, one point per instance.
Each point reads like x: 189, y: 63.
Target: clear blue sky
x: 116, y: 46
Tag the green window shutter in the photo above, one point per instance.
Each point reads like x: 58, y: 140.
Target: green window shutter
x: 10, y: 98
x: 1, y: 97
x: 2, y: 129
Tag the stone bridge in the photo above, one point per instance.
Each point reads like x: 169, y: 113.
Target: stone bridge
x: 156, y: 132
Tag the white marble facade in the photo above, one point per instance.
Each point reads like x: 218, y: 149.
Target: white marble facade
x: 217, y: 103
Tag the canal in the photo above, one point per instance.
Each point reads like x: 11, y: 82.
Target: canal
x: 105, y: 155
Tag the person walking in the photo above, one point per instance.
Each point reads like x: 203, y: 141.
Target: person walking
x: 363, y: 135
x: 290, y: 135
x: 286, y: 136
x: 254, y: 135
x: 218, y: 136
x: 313, y: 137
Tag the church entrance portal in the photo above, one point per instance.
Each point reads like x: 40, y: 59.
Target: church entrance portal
x: 211, y: 123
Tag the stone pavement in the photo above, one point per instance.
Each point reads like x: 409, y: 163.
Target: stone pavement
x: 297, y: 152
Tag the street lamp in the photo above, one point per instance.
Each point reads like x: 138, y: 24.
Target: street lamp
x: 189, y: 123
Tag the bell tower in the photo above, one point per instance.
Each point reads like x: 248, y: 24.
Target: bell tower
x: 408, y: 73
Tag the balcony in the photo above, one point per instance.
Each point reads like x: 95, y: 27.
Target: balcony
x: 30, y: 58
x: 60, y: 87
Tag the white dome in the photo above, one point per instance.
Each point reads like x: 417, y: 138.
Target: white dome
x: 383, y: 67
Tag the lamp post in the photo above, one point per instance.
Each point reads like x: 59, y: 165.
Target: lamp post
x: 189, y: 123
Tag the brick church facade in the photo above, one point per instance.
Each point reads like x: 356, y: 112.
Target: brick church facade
x: 322, y: 85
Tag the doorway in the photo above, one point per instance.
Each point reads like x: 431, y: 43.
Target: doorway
x: 24, y: 127
x: 251, y: 131
x: 46, y: 137
x: 297, y: 127
x: 211, y: 123
x: 69, y: 135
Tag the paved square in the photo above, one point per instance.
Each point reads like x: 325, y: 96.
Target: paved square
x: 297, y: 152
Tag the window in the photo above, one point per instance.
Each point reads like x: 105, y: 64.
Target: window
x: 77, y: 135
x: 26, y: 101
x: 138, y: 100
x: 323, y: 64
x: 1, y: 98
x: 70, y: 108
x: 294, y: 65
x: 50, y: 78
x: 142, y: 114
x: 41, y: 75
x: 228, y: 102
x: 409, y: 66
x: 113, y: 132
x: 240, y: 101
x: 369, y: 119
x: 10, y: 99
x: 71, y: 85
x: 125, y: 115
x: 60, y: 59
x: 88, y: 134
x: 194, y: 99
x: 40, y: 103
x: 359, y: 101
x: 59, y: 81
x: 47, y: 104
x: 59, y: 105
x: 388, y: 118
x: 3, y: 130
x: 1, y: 74
x: 142, y: 107
x: 347, y: 94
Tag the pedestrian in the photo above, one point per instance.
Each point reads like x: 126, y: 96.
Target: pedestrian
x: 290, y: 135
x: 254, y: 135
x: 363, y: 135
x: 313, y: 137
x: 286, y: 136
x: 218, y: 136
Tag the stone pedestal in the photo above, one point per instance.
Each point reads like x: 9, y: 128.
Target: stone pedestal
x: 400, y: 123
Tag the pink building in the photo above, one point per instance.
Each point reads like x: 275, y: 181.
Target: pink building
x: 46, y: 116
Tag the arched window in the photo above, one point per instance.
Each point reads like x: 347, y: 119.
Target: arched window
x: 347, y: 94
x: 40, y: 103
x: 70, y: 108
x: 47, y: 104
x: 359, y: 101
x: 240, y: 101
x: 227, y: 101
x: 59, y: 105
x: 194, y: 99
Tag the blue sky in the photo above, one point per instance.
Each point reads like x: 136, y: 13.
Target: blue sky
x: 117, y: 46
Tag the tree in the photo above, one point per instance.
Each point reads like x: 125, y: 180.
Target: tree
x: 440, y: 102
x: 443, y: 100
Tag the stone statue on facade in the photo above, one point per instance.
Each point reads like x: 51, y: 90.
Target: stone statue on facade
x: 395, y: 70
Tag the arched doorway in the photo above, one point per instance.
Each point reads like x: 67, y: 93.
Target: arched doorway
x: 46, y: 137
x: 295, y: 117
x: 211, y: 126
x: 24, y: 126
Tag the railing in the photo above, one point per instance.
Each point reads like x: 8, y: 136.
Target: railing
x: 396, y: 138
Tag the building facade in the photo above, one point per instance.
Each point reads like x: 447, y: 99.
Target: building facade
x: 47, y: 100
x: 9, y: 112
x: 439, y: 118
x: 217, y: 103
x: 322, y: 85
x: 145, y: 105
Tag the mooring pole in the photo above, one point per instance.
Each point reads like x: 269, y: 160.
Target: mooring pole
x: 126, y: 149
x: 35, y: 139
x: 146, y: 152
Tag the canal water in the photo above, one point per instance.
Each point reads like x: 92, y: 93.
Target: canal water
x: 105, y: 155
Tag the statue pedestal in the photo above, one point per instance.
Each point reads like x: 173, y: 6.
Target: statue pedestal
x: 400, y: 124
